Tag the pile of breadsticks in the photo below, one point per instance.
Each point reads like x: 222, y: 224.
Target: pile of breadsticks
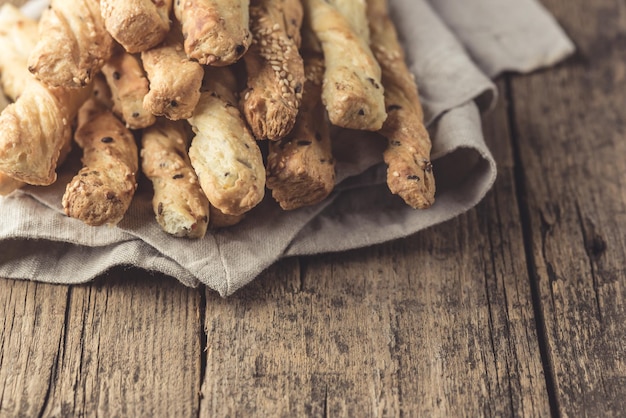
x: 192, y: 91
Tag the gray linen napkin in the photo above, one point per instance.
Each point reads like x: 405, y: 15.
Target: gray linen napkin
x: 452, y: 46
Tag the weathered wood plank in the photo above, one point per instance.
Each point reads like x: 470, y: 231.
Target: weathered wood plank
x: 571, y: 129
x: 32, y: 317
x: 437, y: 324
x: 131, y: 347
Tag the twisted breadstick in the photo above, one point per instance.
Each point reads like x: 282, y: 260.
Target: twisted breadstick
x: 216, y: 31
x: 351, y: 92
x: 180, y: 206
x: 73, y: 43
x: 223, y: 152
x: 275, y: 69
x: 18, y: 37
x: 410, y: 172
x: 102, y: 190
x: 137, y: 25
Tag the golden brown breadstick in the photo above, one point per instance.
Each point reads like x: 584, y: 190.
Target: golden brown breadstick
x: 7, y: 184
x: 129, y: 86
x: 223, y: 152
x: 35, y: 129
x: 18, y: 37
x: 180, y: 206
x: 216, y: 32
x: 352, y: 92
x: 73, y: 43
x: 102, y: 190
x: 275, y: 69
x: 301, y: 168
x: 137, y: 25
x: 410, y: 172
x: 219, y: 219
x: 175, y: 80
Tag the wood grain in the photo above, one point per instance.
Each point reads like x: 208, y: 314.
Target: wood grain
x: 571, y: 129
x: 440, y: 324
x: 32, y: 329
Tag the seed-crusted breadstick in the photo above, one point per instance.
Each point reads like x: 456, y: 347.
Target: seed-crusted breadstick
x: 73, y: 43
x: 137, y: 25
x: 18, y: 37
x: 175, y: 80
x: 352, y: 92
x: 216, y: 32
x: 223, y: 152
x: 410, y: 172
x: 102, y: 190
x: 35, y: 129
x: 129, y: 86
x: 180, y: 206
x: 301, y: 168
x: 275, y: 69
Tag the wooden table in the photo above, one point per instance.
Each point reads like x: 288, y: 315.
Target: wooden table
x: 515, y: 308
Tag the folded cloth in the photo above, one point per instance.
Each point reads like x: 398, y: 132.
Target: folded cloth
x: 454, y: 48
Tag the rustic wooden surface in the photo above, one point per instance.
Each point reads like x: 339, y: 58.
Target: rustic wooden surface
x: 514, y: 309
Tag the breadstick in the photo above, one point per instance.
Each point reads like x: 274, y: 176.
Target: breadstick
x: 102, y: 190
x: 301, y: 168
x: 275, y: 69
x: 219, y: 219
x: 35, y: 129
x: 18, y: 37
x: 73, y: 43
x: 175, y: 80
x: 216, y: 32
x: 137, y: 25
x: 351, y: 92
x: 223, y: 152
x: 180, y: 206
x: 129, y: 86
x: 409, y: 173
x: 7, y: 184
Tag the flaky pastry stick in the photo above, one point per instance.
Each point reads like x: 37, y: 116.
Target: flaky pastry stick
x: 35, y: 129
x: 216, y: 32
x: 73, y: 43
x: 275, y: 70
x: 409, y: 173
x: 351, y: 91
x: 223, y: 153
x: 180, y: 206
x: 18, y: 37
x: 301, y: 168
x: 137, y: 25
x: 175, y: 80
x: 102, y: 190
x: 129, y: 86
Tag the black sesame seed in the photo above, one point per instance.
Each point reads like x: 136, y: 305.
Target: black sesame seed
x: 173, y: 103
x: 240, y: 49
x: 361, y: 112
x: 160, y: 208
x: 135, y: 114
x: 178, y: 176
x: 298, y: 88
x: 110, y: 195
x: 393, y: 107
x: 304, y: 143
x: 107, y: 140
x: 116, y: 75
x: 413, y: 177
